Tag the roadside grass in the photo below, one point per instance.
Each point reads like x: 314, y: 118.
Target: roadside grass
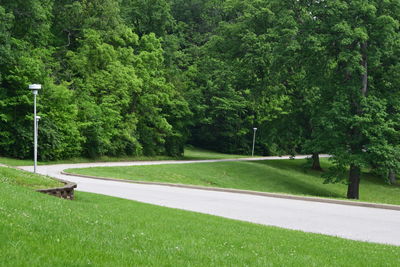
x: 26, y: 179
x: 190, y: 154
x: 22, y: 162
x: 15, y: 162
x: 279, y: 176
x: 41, y: 230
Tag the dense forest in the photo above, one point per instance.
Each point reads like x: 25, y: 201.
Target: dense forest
x: 147, y: 77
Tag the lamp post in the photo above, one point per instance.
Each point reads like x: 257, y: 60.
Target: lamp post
x: 254, y: 141
x: 35, y: 89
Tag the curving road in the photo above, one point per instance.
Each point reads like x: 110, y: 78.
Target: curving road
x: 351, y: 222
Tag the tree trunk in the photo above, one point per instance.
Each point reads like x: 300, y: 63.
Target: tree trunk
x: 392, y: 177
x: 364, y: 77
x: 354, y: 182
x: 315, y: 162
x: 355, y: 171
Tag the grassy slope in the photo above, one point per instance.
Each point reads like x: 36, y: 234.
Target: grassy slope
x: 283, y: 176
x: 40, y: 230
x: 26, y: 179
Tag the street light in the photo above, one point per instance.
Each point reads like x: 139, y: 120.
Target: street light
x: 37, y: 122
x: 35, y: 89
x: 254, y: 140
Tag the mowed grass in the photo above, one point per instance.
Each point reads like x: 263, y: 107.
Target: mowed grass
x: 280, y: 176
x: 40, y: 230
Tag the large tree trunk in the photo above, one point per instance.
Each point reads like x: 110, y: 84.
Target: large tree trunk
x: 315, y: 162
x: 354, y: 182
x: 392, y: 177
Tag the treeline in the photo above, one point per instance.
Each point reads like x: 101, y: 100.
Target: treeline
x: 148, y: 76
x: 105, y: 86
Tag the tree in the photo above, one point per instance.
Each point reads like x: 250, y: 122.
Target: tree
x: 358, y: 39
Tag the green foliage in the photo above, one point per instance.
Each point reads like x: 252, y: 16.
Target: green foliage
x: 58, y: 130
x: 32, y: 20
x: 147, y: 17
x: 105, y: 90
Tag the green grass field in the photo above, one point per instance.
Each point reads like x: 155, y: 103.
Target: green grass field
x: 280, y: 176
x: 41, y: 230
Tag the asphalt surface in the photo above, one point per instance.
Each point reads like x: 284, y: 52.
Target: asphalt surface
x: 351, y: 222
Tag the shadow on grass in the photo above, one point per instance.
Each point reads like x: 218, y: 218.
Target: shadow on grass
x: 374, y: 179
x: 297, y: 166
x: 293, y: 186
x: 297, y: 181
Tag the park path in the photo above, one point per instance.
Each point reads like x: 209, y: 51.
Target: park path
x: 351, y: 222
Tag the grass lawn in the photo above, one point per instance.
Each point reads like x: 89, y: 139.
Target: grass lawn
x: 40, y: 230
x: 282, y: 176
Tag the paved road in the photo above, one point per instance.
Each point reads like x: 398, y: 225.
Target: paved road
x: 357, y: 223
